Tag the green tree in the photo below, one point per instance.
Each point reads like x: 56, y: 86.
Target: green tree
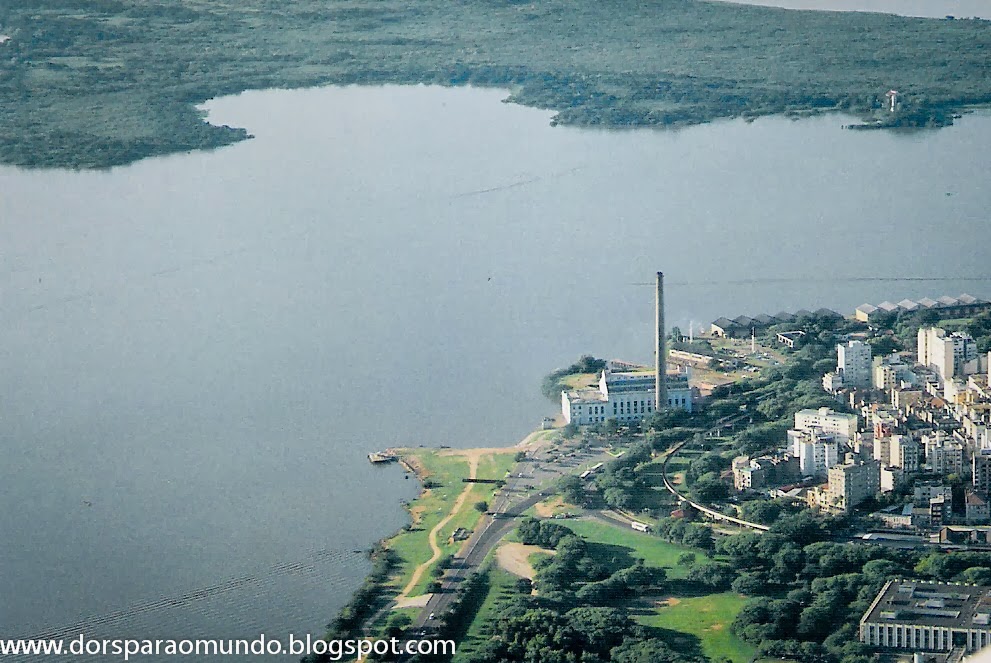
x: 976, y: 575
x: 751, y: 583
x: 699, y: 536
x: 651, y: 650
x: 716, y: 576
x: 397, y: 624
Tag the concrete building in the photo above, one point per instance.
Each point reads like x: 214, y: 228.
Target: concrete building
x: 918, y: 616
x: 630, y: 395
x: 980, y: 467
x: 892, y: 372
x: 950, y: 355
x: 891, y: 478
x: 853, y: 362
x: 815, y: 450
x: 944, y: 455
x: 924, y: 493
x: 623, y: 395
x: 756, y: 473
x: 904, y: 453
x: 897, y: 451
x: 843, y: 427
x: 977, y: 511
x: 852, y: 483
x: 832, y: 382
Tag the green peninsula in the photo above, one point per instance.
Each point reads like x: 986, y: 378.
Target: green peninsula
x: 98, y: 83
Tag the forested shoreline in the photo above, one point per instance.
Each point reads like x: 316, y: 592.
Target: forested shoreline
x: 104, y: 83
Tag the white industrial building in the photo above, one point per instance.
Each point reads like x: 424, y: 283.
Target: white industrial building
x: 631, y: 395
x: 921, y: 616
x: 623, y: 395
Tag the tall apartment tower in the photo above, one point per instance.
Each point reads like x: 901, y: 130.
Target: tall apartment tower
x: 660, y: 384
x: 853, y: 362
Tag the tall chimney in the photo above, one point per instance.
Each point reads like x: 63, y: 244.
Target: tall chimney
x: 660, y: 359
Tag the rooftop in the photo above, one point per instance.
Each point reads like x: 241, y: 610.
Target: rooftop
x: 924, y: 303
x: 586, y: 396
x: 765, y: 319
x: 954, y: 605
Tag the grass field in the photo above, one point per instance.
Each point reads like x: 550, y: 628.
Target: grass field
x: 107, y: 82
x: 651, y: 549
x: 708, y: 618
x: 434, y: 504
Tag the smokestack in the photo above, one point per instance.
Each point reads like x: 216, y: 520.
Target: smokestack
x: 660, y: 358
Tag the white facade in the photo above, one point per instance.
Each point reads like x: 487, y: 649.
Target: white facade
x: 843, y: 427
x: 624, y: 396
x: 944, y: 455
x: 853, y: 362
x: 832, y: 382
x: 892, y: 373
x: 950, y: 355
x: 900, y: 451
x: 919, y: 616
x: 816, y: 451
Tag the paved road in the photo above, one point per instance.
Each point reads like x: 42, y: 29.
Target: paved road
x: 479, y: 545
x: 524, y: 488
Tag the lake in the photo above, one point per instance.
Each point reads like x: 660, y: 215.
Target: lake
x: 200, y: 349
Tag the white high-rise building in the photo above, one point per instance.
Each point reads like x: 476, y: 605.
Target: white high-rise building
x: 853, y: 362
x: 843, y: 427
x: 950, y: 355
x: 815, y: 450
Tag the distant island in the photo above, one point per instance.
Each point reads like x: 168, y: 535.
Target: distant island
x: 109, y: 82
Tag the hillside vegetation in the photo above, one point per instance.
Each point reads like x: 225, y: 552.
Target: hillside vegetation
x: 94, y: 83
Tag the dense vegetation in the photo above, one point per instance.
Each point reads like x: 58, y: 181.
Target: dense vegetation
x: 904, y: 325
x: 580, y: 612
x: 552, y: 384
x: 106, y: 82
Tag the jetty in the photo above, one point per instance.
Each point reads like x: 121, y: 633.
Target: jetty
x: 382, y: 457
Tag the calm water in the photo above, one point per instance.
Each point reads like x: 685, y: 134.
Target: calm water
x: 924, y: 8
x: 199, y: 350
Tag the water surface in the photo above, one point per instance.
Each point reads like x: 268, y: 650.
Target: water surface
x: 199, y: 350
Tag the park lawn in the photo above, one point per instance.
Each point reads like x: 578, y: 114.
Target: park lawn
x: 501, y: 588
x: 494, y: 466
x: 433, y: 504
x: 709, y: 619
x: 441, y: 468
x: 653, y: 550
